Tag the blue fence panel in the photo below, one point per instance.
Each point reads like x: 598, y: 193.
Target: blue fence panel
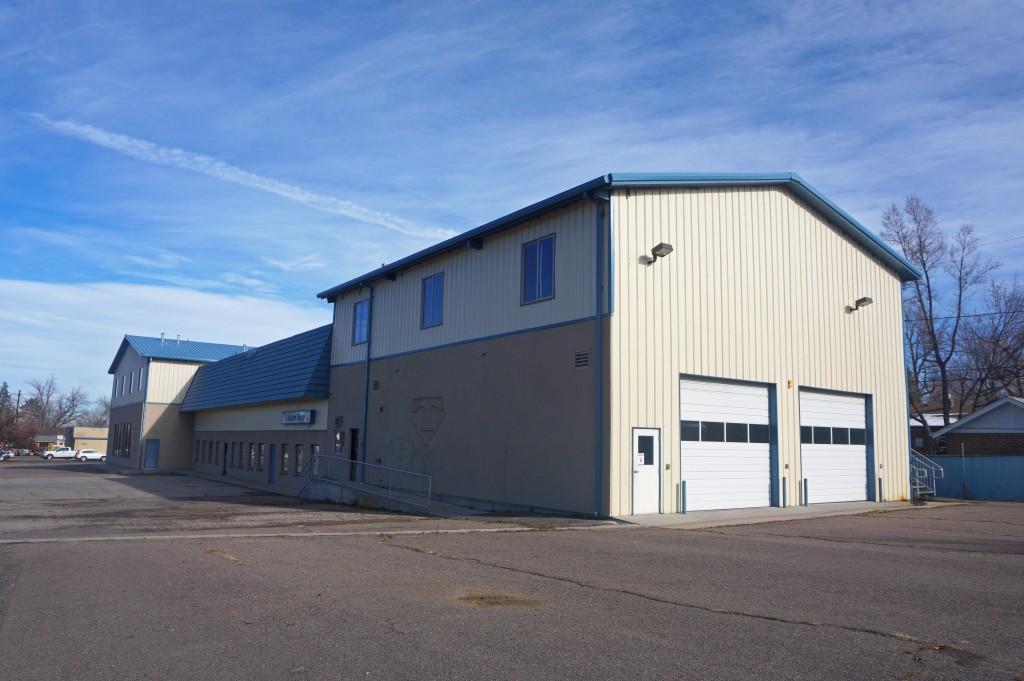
x: 988, y: 478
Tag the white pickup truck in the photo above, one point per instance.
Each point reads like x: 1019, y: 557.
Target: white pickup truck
x: 59, y: 453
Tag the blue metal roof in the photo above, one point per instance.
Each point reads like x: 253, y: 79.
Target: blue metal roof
x: 796, y: 184
x: 291, y: 369
x: 181, y: 350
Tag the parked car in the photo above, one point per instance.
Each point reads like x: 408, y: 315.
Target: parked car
x: 59, y: 453
x: 23, y: 452
x: 86, y: 454
x: 5, y: 454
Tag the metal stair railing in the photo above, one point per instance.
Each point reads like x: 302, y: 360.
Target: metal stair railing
x: 923, y: 474
x: 393, y: 485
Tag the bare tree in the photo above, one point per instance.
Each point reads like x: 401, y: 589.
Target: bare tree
x: 991, y: 365
x: 936, y: 305
x: 47, y: 408
x: 98, y: 415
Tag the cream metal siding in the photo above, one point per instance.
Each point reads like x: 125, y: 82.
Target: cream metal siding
x: 755, y: 290
x: 481, y: 291
x: 261, y: 417
x: 169, y: 381
x: 131, y: 362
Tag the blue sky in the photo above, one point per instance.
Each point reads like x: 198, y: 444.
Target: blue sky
x: 206, y: 169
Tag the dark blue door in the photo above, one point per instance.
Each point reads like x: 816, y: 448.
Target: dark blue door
x: 152, y: 453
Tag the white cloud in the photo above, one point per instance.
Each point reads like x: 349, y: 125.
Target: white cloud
x: 187, y: 160
x: 73, y: 331
x: 314, y: 261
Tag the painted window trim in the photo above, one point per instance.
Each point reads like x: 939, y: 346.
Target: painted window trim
x: 439, y: 313
x: 522, y: 271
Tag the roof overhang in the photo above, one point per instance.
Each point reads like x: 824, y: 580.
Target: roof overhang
x: 1013, y: 401
x: 120, y: 353
x: 791, y: 181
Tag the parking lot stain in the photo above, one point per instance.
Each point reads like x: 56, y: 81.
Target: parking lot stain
x: 219, y: 554
x: 490, y: 599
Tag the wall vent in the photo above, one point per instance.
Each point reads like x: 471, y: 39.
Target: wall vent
x: 376, y: 384
x: 581, y: 359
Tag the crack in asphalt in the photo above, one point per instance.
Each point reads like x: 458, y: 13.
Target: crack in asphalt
x: 862, y: 542
x: 387, y: 540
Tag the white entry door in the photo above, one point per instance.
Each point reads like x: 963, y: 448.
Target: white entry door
x: 646, y: 470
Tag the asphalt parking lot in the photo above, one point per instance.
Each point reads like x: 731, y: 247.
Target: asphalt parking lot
x: 172, y: 577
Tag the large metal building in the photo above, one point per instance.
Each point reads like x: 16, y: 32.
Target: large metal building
x: 641, y: 343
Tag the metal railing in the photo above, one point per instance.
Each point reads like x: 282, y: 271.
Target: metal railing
x: 393, y: 485
x: 923, y: 474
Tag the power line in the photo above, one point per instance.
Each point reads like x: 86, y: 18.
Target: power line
x: 973, y: 314
x: 993, y: 243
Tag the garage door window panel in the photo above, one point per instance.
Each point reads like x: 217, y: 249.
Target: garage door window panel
x: 760, y: 433
x: 712, y: 431
x: 689, y: 431
x: 736, y: 432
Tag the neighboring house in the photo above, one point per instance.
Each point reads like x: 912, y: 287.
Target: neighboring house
x: 151, y: 376
x: 918, y: 439
x: 259, y: 415
x: 48, y: 438
x: 83, y: 437
x: 641, y: 343
x: 984, y: 456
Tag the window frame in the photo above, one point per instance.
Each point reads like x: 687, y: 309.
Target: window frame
x: 361, y: 308
x: 538, y: 267
x: 436, y: 306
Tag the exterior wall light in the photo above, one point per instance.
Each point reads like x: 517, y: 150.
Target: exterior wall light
x: 858, y: 304
x: 659, y: 251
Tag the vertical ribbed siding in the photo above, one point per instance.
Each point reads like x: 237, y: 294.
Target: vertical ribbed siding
x: 481, y: 290
x: 169, y: 381
x: 755, y: 290
x: 130, y: 362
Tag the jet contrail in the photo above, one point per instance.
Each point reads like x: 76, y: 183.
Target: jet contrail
x: 187, y: 160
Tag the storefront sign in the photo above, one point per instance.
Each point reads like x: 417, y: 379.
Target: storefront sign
x: 295, y: 418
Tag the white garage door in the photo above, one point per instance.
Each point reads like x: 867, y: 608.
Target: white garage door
x: 724, y: 453
x: 833, y: 447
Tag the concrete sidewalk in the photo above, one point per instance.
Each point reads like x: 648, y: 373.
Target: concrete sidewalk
x: 693, y: 520
x: 696, y: 520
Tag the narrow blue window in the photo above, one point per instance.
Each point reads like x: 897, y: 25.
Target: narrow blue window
x: 539, y: 270
x: 433, y: 300
x: 361, y: 323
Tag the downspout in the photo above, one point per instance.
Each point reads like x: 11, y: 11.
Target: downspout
x: 366, y: 378
x: 599, y: 204
x: 906, y: 383
x: 142, y: 424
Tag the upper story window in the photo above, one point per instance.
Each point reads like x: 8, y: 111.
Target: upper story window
x: 433, y: 300
x: 361, y: 322
x: 539, y: 270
